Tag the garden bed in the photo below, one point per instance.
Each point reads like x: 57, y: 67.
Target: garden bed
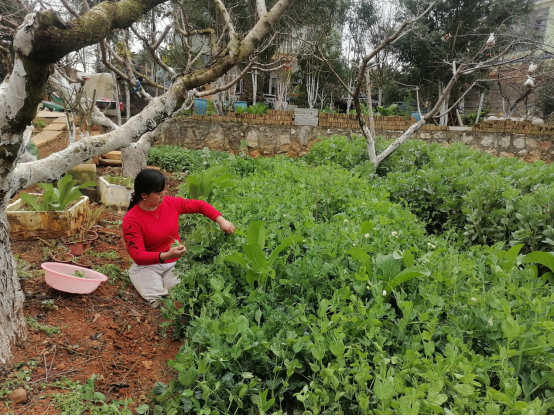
x: 45, y: 224
x: 112, y: 332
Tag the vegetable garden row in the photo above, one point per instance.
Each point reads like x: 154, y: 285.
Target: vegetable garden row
x: 333, y: 297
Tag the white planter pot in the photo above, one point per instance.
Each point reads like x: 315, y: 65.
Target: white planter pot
x: 45, y: 224
x: 114, y: 194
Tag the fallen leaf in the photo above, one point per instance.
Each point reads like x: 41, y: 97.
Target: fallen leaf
x: 134, y: 312
x: 147, y: 364
x: 96, y: 316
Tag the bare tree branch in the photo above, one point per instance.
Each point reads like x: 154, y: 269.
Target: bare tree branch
x: 260, y: 8
x: 226, y: 18
x: 70, y: 9
x: 104, y: 46
x: 152, y: 49
x: 227, y: 86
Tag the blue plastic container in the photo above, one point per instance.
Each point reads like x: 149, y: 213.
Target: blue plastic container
x: 200, y: 106
x: 416, y: 115
x: 240, y: 104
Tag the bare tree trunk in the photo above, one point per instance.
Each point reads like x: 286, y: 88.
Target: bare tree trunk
x: 370, y: 105
x: 254, y: 86
x: 480, y: 107
x: 134, y: 156
x: 133, y: 160
x: 70, y: 122
x: 11, y: 302
x: 127, y: 102
x: 443, y: 121
x: 379, y: 95
x: 116, y: 98
x: 460, y: 122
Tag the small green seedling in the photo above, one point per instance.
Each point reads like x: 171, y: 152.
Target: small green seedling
x: 175, y: 242
x: 79, y: 273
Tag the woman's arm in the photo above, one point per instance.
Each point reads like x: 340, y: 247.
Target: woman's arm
x: 226, y: 226
x: 196, y: 206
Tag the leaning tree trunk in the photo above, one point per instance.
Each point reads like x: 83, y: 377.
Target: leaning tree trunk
x: 133, y: 160
x: 134, y: 156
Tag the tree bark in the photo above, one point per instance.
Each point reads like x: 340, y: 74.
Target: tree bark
x: 11, y: 302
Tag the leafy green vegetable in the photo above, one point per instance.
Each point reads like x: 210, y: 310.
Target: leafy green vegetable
x: 56, y: 199
x: 201, y: 185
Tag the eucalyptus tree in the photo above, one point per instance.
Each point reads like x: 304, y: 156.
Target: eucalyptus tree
x: 39, y: 42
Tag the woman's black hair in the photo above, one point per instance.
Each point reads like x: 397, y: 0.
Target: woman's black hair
x: 146, y: 182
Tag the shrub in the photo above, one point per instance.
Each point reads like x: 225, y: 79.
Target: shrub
x: 177, y: 159
x: 483, y: 199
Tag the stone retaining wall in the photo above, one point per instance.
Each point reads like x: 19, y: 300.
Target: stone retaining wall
x: 295, y: 140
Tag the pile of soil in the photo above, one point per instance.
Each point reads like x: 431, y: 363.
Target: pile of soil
x: 111, y: 332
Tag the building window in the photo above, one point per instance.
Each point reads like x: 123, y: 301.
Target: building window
x: 238, y: 87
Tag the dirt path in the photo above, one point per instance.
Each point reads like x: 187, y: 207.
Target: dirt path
x: 111, y: 332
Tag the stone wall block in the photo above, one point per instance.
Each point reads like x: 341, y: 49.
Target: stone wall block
x: 545, y: 145
x: 531, y: 143
x: 467, y: 138
x: 213, y: 137
x: 519, y: 143
x: 488, y: 141
x: 505, y: 142
x: 233, y: 137
x: 252, y: 138
x: 304, y: 134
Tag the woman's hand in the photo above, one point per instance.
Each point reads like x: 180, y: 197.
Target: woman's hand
x: 174, y: 252
x: 226, y: 226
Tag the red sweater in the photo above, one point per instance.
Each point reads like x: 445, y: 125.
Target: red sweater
x: 149, y: 233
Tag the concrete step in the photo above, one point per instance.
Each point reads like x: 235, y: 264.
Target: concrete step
x: 48, y: 114
x: 44, y: 137
x: 55, y: 127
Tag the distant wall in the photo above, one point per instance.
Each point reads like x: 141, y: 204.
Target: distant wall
x: 292, y: 140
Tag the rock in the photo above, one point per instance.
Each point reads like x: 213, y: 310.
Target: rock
x: 537, y: 121
x: 18, y: 396
x: 492, y: 118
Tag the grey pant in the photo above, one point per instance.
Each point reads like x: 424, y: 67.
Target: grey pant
x: 154, y: 281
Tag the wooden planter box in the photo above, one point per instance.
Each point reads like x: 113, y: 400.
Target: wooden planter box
x: 45, y: 224
x: 111, y: 194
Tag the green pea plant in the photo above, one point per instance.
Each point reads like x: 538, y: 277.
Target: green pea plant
x: 257, y: 264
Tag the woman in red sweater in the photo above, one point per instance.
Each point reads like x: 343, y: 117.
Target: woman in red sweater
x: 151, y: 226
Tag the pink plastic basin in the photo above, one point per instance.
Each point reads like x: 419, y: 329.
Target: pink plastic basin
x: 59, y: 276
